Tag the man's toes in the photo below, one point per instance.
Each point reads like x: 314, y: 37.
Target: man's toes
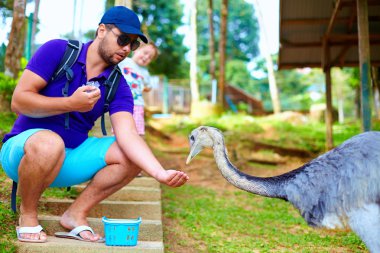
x: 87, y: 235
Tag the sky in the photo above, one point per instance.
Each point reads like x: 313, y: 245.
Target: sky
x: 57, y: 16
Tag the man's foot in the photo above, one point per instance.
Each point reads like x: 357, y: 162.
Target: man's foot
x: 70, y: 222
x: 29, y: 230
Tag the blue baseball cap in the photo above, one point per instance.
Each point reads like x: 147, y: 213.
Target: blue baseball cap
x: 124, y: 19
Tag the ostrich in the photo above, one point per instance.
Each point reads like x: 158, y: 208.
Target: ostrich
x: 339, y: 189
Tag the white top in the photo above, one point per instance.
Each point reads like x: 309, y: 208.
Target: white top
x: 137, y: 77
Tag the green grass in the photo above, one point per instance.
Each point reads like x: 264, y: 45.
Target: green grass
x: 60, y: 193
x: 241, y: 222
x: 7, y: 217
x: 228, y: 221
x: 7, y: 228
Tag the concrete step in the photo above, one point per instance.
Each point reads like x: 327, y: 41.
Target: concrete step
x: 144, y: 181
x: 60, y: 245
x: 150, y: 230
x: 149, y: 210
x: 132, y: 193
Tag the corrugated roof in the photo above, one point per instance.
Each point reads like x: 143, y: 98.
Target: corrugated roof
x: 304, y: 23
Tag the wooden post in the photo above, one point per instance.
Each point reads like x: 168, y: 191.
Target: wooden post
x: 329, y: 109
x: 365, y: 64
x: 328, y: 114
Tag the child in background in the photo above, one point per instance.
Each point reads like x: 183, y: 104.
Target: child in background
x: 138, y: 77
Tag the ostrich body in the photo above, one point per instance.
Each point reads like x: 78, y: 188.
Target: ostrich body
x: 339, y: 189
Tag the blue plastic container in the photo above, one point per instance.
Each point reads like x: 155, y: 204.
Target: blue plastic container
x: 121, y: 232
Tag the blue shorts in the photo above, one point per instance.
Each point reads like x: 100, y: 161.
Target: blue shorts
x: 80, y: 165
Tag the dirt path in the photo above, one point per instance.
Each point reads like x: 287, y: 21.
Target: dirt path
x: 203, y: 172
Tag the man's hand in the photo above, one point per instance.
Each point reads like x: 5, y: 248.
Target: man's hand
x: 84, y: 98
x: 173, y: 178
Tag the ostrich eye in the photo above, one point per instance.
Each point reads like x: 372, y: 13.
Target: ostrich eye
x: 192, y: 138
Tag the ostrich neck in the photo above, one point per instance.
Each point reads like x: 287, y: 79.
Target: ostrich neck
x: 269, y: 186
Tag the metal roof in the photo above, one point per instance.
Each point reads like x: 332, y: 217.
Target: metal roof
x: 305, y: 23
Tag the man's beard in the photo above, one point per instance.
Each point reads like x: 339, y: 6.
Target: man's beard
x: 105, y: 55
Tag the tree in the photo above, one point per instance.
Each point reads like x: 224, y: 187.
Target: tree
x: 211, y: 43
x: 6, y: 8
x: 222, y: 51
x: 243, y: 30
x: 241, y: 39
x: 271, y: 78
x: 16, y: 43
x: 161, y: 19
x: 193, y: 54
x: 35, y: 21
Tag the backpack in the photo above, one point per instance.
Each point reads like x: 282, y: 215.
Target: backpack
x: 72, y: 51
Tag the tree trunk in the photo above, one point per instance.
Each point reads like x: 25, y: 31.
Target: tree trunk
x: 15, y: 48
x: 193, y: 54
x: 35, y: 21
x: 376, y: 90
x: 211, y: 42
x: 271, y: 77
x: 222, y: 51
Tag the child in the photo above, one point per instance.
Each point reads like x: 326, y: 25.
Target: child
x: 138, y: 77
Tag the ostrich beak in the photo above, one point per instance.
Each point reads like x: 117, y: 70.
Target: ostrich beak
x: 195, y: 148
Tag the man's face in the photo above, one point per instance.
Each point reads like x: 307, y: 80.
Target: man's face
x: 110, y: 50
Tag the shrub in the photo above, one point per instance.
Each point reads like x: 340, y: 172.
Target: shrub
x: 7, y: 86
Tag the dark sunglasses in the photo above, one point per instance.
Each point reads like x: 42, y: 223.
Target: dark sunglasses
x: 124, y: 40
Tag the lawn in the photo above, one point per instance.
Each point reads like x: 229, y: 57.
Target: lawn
x: 213, y: 217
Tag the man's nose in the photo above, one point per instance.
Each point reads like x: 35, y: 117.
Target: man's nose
x: 127, y: 48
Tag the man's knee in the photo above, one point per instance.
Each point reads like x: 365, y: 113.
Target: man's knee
x: 46, y: 144
x: 115, y: 156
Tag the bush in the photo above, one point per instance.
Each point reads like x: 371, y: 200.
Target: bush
x: 7, y: 86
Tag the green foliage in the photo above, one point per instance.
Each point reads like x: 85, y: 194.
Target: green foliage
x: 7, y: 85
x: 236, y: 221
x: 160, y: 20
x: 3, y: 48
x: 226, y: 122
x: 242, y: 27
x: 7, y: 120
x: 237, y: 73
x: 241, y: 46
x: 6, y: 7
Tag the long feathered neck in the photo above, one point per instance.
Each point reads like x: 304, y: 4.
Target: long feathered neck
x: 270, y: 186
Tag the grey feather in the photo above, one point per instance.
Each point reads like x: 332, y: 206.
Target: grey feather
x: 340, y: 188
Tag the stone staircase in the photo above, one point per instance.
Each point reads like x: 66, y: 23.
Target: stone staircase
x: 141, y: 198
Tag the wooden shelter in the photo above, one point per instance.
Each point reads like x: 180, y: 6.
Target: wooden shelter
x: 332, y: 33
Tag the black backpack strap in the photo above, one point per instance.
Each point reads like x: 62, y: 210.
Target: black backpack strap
x: 73, y: 49
x: 14, y: 197
x: 111, y: 85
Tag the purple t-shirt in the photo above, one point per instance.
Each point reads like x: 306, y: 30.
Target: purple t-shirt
x: 44, y: 63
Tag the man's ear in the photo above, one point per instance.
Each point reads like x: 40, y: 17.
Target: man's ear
x: 102, y: 29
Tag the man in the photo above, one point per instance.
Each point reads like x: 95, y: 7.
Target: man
x: 40, y: 151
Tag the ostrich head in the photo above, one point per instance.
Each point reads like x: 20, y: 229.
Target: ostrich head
x: 203, y: 137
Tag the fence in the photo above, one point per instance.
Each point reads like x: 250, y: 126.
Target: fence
x: 167, y: 98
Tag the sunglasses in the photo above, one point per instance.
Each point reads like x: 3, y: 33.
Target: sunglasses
x: 124, y: 40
